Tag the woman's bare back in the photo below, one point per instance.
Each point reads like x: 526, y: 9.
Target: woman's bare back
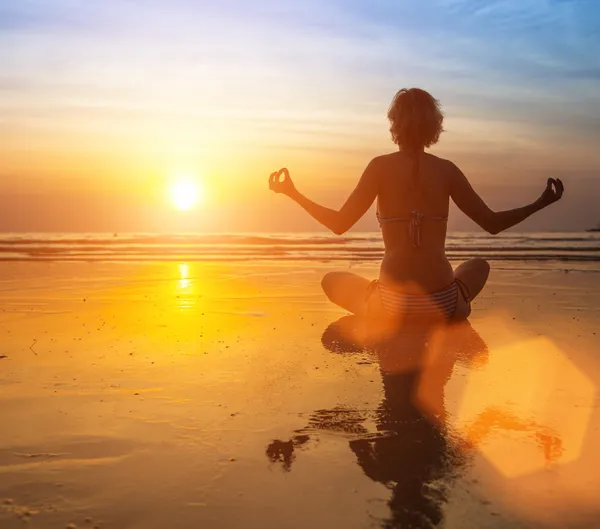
x: 422, y: 268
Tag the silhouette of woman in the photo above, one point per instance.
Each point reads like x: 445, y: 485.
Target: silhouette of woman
x: 413, y: 190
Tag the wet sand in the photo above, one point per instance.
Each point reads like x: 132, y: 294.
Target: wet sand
x: 219, y: 396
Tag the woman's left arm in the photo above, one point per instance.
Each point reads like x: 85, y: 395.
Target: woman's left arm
x: 338, y: 222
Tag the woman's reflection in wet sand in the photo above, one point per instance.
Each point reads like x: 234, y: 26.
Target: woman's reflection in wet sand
x: 411, y: 451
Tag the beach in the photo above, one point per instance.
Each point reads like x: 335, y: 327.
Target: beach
x: 186, y: 393
x: 179, y: 181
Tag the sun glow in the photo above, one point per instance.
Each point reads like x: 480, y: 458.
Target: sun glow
x: 184, y: 276
x: 186, y: 191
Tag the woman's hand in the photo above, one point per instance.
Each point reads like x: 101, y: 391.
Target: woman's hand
x: 285, y: 186
x: 552, y: 193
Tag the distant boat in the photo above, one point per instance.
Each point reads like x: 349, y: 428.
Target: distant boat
x: 597, y: 228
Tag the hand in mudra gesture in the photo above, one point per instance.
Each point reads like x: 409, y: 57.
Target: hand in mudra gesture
x: 285, y: 186
x: 552, y: 193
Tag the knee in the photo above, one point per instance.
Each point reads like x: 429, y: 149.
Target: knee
x: 327, y: 283
x: 483, y: 267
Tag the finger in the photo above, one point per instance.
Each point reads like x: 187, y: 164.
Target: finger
x: 558, y: 189
x: 272, y: 180
x: 283, y: 171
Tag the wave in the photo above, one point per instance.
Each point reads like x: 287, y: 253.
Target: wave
x: 567, y: 247
x: 267, y: 238
x: 179, y: 239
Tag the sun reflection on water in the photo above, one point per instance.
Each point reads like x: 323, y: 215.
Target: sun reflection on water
x: 184, y: 276
x: 185, y: 287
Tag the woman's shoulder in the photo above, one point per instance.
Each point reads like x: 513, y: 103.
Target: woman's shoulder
x: 439, y: 159
x: 380, y: 158
x: 389, y: 162
x: 395, y: 156
x: 443, y: 163
x: 385, y: 159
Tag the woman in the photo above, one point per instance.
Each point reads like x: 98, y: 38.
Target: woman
x: 413, y: 190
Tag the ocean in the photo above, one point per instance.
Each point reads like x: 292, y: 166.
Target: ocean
x: 539, y: 250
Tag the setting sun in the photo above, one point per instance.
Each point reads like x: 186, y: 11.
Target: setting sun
x: 185, y: 192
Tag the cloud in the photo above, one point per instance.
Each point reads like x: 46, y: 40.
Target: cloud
x: 311, y: 79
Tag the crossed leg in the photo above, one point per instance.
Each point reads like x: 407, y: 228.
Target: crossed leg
x: 349, y: 291
x: 346, y: 290
x: 471, y: 276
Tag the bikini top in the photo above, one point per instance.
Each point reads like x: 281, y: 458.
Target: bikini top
x: 416, y: 217
x: 414, y: 224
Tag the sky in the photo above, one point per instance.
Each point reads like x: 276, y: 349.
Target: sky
x: 104, y: 103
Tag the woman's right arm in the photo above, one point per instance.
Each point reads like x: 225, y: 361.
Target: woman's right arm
x: 472, y: 205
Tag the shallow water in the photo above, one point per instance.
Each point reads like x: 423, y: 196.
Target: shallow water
x: 151, y: 395
x: 535, y: 250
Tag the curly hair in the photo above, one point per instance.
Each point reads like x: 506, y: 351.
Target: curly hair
x: 415, y: 119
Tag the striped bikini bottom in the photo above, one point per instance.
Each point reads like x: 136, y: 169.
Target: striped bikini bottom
x: 441, y: 303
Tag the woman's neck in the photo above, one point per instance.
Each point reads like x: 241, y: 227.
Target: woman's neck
x: 411, y: 151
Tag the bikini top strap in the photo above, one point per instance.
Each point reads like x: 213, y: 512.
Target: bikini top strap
x: 414, y: 227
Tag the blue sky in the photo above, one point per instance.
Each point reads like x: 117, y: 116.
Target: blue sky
x: 90, y: 84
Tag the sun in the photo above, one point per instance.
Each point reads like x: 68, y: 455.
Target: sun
x: 185, y: 192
